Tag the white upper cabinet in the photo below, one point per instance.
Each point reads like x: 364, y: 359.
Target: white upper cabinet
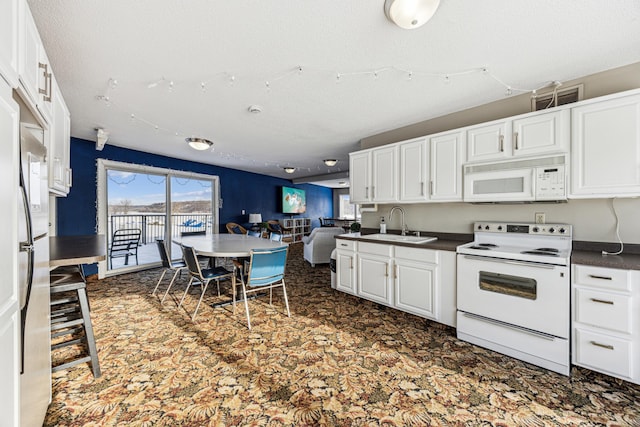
x: 445, y: 184
x: 414, y: 170
x: 360, y: 177
x: 373, y: 175
x: 528, y: 135
x: 59, y: 170
x: 605, y: 148
x: 385, y: 174
x: 34, y: 72
x: 9, y: 10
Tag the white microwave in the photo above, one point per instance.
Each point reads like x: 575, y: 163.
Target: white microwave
x: 541, y: 179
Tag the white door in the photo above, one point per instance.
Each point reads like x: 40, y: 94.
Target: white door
x: 541, y: 133
x: 605, y: 148
x: 346, y: 272
x: 360, y: 177
x: 414, y: 170
x: 385, y: 176
x: 9, y: 41
x: 446, y: 167
x: 415, y: 287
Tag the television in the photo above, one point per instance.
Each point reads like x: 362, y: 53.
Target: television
x: 294, y: 200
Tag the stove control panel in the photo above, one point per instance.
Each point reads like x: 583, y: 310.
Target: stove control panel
x: 523, y: 228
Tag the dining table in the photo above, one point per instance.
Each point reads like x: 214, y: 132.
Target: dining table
x: 226, y: 246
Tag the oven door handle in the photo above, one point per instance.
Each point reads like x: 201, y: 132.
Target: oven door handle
x: 508, y: 261
x: 528, y: 331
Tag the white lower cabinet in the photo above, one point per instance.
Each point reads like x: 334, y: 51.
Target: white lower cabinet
x: 606, y: 321
x: 346, y: 266
x: 415, y: 280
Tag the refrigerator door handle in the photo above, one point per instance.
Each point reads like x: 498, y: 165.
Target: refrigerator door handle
x: 26, y: 247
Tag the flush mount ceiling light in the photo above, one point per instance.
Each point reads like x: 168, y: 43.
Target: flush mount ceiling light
x: 330, y: 162
x: 409, y: 14
x: 199, y: 143
x: 289, y: 169
x: 255, y: 109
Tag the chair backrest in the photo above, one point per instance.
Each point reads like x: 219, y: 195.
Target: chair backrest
x: 253, y: 233
x: 276, y: 237
x: 267, y: 266
x: 193, y: 233
x: 274, y: 226
x: 191, y: 259
x: 234, y: 228
x: 125, y: 239
x: 164, y: 255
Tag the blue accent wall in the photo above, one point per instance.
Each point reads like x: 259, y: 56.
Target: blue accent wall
x: 255, y: 193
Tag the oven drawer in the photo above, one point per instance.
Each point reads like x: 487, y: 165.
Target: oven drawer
x: 604, y: 310
x: 605, y: 278
x: 603, y: 353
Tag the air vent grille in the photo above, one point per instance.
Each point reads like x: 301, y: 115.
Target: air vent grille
x: 561, y: 97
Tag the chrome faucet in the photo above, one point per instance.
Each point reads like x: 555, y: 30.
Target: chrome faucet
x: 404, y: 229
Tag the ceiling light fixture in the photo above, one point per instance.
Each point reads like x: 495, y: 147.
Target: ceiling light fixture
x: 289, y: 169
x: 409, y: 14
x: 255, y: 109
x: 330, y: 162
x: 198, y: 143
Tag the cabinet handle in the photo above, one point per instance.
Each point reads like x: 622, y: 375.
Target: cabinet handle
x: 600, y: 277
x: 366, y: 192
x: 395, y: 273
x: 343, y: 244
x: 431, y: 188
x: 515, y: 138
x: 386, y: 270
x: 422, y: 188
x: 601, y: 301
x: 47, y: 82
x: 501, y: 139
x: 597, y: 344
x: 351, y: 263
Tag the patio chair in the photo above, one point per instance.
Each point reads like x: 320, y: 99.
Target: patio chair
x: 175, y: 266
x: 203, y: 275
x: 124, y: 243
x: 265, y: 271
x: 234, y: 228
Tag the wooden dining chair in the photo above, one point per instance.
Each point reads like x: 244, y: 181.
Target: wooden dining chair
x: 234, y: 228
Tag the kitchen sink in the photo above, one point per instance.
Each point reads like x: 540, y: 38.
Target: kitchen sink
x: 398, y: 238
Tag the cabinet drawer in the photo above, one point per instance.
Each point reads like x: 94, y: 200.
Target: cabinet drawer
x: 604, y: 353
x: 604, y: 310
x: 604, y: 278
x: 420, y: 255
x: 348, y: 245
x: 375, y: 248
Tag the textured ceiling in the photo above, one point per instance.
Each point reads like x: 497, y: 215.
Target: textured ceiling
x: 325, y: 73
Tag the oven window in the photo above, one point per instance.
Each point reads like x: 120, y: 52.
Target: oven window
x: 521, y: 287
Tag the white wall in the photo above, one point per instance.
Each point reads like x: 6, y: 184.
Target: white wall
x: 592, y: 220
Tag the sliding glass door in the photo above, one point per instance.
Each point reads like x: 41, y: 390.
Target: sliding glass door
x: 137, y: 205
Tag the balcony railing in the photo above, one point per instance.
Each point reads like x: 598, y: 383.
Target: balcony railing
x: 152, y: 226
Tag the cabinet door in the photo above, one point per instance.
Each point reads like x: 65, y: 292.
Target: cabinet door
x: 360, y: 177
x: 385, y: 174
x: 29, y: 54
x: 488, y: 142
x: 9, y: 41
x: 446, y: 168
x: 605, y: 148
x: 346, y: 272
x: 415, y: 288
x: 373, y: 278
x: 414, y: 170
x: 59, y: 171
x: 541, y: 133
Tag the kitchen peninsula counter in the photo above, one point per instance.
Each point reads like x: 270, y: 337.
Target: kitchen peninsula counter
x: 590, y: 253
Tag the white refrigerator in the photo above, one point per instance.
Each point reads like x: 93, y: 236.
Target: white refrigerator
x: 33, y: 278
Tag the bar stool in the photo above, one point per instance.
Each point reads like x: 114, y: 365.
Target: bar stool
x: 70, y: 317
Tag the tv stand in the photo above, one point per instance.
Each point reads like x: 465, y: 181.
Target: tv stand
x: 298, y: 227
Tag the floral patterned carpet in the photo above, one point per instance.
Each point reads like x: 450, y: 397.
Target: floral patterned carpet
x: 338, y: 361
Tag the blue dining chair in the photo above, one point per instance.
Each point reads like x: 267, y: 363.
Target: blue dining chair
x: 203, y: 275
x: 265, y: 271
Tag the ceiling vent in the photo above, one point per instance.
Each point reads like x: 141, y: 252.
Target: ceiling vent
x: 552, y: 99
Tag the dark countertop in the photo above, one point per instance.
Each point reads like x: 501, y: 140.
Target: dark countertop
x: 445, y: 242
x: 74, y: 250
x: 590, y: 253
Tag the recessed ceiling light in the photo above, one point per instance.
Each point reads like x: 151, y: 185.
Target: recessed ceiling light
x: 330, y: 162
x: 289, y: 169
x: 198, y: 143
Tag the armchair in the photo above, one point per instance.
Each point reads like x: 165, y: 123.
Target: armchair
x: 319, y: 244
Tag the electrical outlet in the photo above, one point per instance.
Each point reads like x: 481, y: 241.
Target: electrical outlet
x: 539, y: 217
